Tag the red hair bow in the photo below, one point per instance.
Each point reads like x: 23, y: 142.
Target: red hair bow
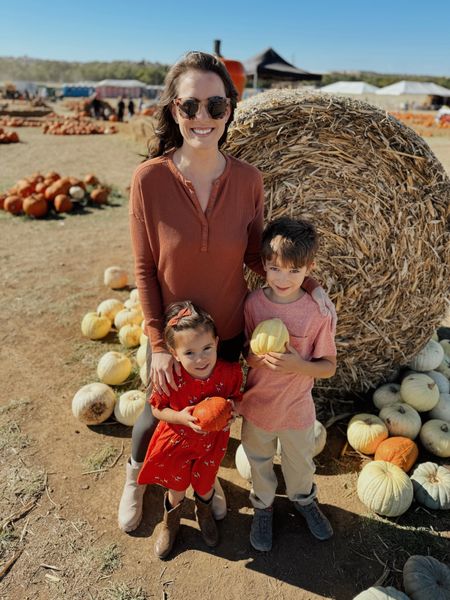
x: 183, y: 312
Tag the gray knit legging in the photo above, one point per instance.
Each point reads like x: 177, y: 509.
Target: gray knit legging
x: 145, y: 426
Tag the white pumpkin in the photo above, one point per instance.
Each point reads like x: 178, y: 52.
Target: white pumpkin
x: 420, y: 392
x: 93, y: 403
x: 141, y: 355
x: 109, y: 308
x: 428, y: 358
x: 134, y: 305
x: 76, y: 192
x: 94, y: 326
x: 134, y: 296
x: 445, y: 346
x: 385, y: 488
x: 129, y: 407
x: 143, y: 340
x: 435, y: 437
x: 426, y: 578
x: 401, y: 420
x: 129, y: 335
x: 435, y: 337
x: 127, y: 316
x: 242, y: 464
x: 442, y: 408
x: 431, y: 484
x: 143, y: 374
x: 365, y: 432
x: 381, y: 593
x: 387, y: 394
x: 320, y: 439
x: 115, y: 277
x: 113, y: 368
x: 440, y: 380
x: 444, y: 367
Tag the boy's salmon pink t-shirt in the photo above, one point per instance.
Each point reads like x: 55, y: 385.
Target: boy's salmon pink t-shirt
x: 276, y: 401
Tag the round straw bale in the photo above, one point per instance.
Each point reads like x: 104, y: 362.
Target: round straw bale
x: 379, y: 199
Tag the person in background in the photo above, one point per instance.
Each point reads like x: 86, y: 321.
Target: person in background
x: 120, y: 109
x: 196, y: 218
x: 130, y: 108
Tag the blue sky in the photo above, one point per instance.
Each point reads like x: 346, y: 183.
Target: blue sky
x: 397, y: 36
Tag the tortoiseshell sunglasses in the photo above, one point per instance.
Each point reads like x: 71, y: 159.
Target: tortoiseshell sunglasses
x: 215, y: 105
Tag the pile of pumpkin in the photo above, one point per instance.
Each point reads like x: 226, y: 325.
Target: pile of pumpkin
x: 76, y: 126
x: 418, y: 407
x: 40, y: 193
x: 23, y: 121
x: 422, y: 119
x: 8, y: 137
x: 424, y: 578
x: 94, y: 403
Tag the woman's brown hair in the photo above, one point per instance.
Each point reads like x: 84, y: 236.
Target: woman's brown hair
x: 167, y: 131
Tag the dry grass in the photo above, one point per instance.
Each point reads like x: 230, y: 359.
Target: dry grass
x: 380, y: 200
x: 102, y: 458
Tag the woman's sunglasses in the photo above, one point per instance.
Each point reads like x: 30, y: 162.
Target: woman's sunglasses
x: 215, y: 105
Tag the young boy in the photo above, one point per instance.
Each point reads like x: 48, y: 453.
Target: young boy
x: 278, y: 401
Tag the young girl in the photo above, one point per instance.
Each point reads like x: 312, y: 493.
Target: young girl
x: 181, y: 453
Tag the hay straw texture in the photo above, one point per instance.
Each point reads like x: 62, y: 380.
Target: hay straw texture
x: 380, y: 200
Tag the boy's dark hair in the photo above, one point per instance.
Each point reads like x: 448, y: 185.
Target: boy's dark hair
x: 293, y: 241
x: 185, y: 315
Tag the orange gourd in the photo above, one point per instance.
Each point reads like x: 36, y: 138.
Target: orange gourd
x: 61, y: 186
x: 63, y: 203
x: 13, y: 204
x: 99, y: 195
x: 91, y: 179
x: 212, y: 414
x: 400, y: 451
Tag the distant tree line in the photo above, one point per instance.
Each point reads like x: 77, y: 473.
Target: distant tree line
x: 58, y: 71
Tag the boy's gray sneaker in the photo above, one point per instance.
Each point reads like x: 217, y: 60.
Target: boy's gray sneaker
x: 261, y: 529
x: 317, y: 522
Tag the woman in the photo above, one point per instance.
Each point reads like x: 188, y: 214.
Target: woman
x: 196, y: 216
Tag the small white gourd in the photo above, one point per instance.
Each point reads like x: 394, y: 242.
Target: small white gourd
x: 431, y: 484
x: 109, y: 308
x: 435, y: 437
x: 442, y: 408
x: 365, y: 432
x: 129, y: 335
x: 93, y: 403
x: 387, y: 394
x: 401, y: 420
x: 419, y: 391
x: 94, y: 326
x: 134, y: 296
x: 115, y: 277
x: 143, y: 340
x: 113, y: 368
x: 440, y: 380
x: 143, y: 374
x: 381, y: 593
x: 129, y: 407
x: 385, y: 488
x: 428, y: 358
x: 242, y: 464
x: 445, y: 346
x: 141, y: 355
x: 127, y: 316
x: 76, y: 192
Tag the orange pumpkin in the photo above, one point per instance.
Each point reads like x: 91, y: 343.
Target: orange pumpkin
x: 2, y: 200
x: 400, y: 451
x: 212, y: 414
x: 36, y: 207
x: 62, y: 186
x: 63, y: 203
x: 99, y: 195
x: 13, y: 204
x: 91, y: 179
x: 235, y: 69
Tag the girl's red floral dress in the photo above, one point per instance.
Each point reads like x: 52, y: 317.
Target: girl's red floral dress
x: 178, y: 456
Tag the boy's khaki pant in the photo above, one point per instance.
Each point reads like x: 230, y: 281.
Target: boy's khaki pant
x: 297, y: 463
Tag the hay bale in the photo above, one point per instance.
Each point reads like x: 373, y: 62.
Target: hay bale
x: 379, y: 198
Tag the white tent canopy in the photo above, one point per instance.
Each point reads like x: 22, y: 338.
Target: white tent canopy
x: 125, y: 83
x: 413, y: 87
x: 349, y: 87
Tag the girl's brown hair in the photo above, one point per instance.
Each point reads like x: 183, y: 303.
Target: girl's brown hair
x: 185, y: 315
x: 167, y: 131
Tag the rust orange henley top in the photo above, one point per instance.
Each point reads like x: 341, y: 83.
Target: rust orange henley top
x: 182, y: 253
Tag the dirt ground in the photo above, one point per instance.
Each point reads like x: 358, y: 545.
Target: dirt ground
x: 59, y: 529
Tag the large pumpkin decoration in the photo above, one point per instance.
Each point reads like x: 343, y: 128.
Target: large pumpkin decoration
x: 235, y: 69
x: 385, y: 488
x: 426, y: 578
x: 400, y: 451
x: 269, y: 336
x: 431, y: 484
x: 212, y: 414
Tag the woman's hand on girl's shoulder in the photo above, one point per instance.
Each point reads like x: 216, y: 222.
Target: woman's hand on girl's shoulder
x: 187, y: 419
x: 162, y: 371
